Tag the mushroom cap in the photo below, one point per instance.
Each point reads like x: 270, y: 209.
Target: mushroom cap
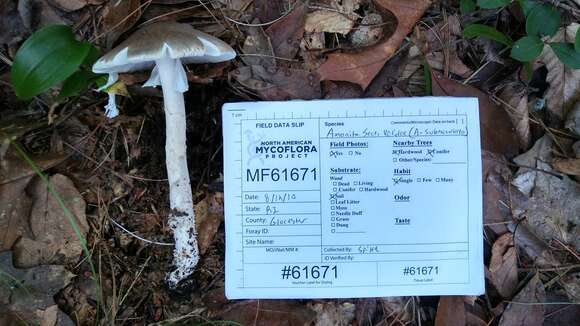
x: 160, y: 40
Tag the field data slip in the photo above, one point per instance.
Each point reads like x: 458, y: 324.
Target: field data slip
x: 353, y: 198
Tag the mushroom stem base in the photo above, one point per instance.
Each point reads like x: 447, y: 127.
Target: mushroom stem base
x: 182, y: 215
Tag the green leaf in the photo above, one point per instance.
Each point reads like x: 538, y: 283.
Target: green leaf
x: 46, y: 58
x: 577, y: 41
x: 543, y: 20
x: 92, y: 56
x: 567, y: 54
x: 527, y: 48
x: 480, y: 30
x: 76, y: 83
x: 491, y: 4
x: 466, y: 6
x: 527, y: 6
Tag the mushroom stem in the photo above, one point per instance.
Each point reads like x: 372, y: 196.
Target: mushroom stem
x: 182, y: 216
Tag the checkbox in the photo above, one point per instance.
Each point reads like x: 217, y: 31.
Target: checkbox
x: 334, y: 183
x: 395, y: 160
x: 332, y: 218
x: 335, y: 189
x: 331, y: 208
x: 332, y: 224
x: 418, y: 179
x: 332, y: 230
x: 332, y: 213
x: 437, y: 179
x: 333, y: 201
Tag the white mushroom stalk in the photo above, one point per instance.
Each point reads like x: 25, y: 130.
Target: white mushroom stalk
x: 163, y: 47
x: 182, y: 215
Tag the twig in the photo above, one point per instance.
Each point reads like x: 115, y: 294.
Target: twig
x: 262, y: 24
x: 138, y: 237
x: 146, y: 4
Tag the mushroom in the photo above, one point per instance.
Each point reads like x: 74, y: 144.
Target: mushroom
x: 165, y: 46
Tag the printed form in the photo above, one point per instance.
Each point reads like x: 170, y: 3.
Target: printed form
x: 353, y: 198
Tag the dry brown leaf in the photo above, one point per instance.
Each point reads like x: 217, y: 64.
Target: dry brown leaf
x: 576, y: 149
x: 118, y: 17
x: 14, y: 210
x: 567, y: 166
x: 503, y: 266
x: 269, y: 313
x: 496, y: 192
x: 564, y: 90
x: 552, y: 210
x: 286, y: 33
x: 573, y: 119
x: 532, y: 246
x: 341, y: 90
x: 497, y: 134
x: 370, y: 31
x: 53, y: 239
x: 366, y: 310
x: 332, y: 313
x: 516, y: 97
x: 268, y: 10
x: 31, y: 302
x: 398, y: 308
x: 13, y: 167
x: 388, y: 77
x: 571, y: 285
x: 15, y: 203
x: 436, y: 60
x: 278, y: 83
x: 347, y: 7
x: 12, y: 27
x: 360, y: 68
x: 439, y: 46
x: 69, y: 5
x: 257, y: 48
x: 209, y: 214
x: 327, y: 21
x: 524, y: 313
x: 451, y: 311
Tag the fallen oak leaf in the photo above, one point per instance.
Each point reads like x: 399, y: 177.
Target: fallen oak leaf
x: 497, y: 134
x: 274, y: 83
x: 14, y: 209
x: 209, y: 216
x: 15, y: 204
x: 564, y: 89
x: 503, y: 265
x: 515, y: 100
x: 269, y: 312
x: 27, y: 295
x: 451, y: 311
x: 526, y: 241
x: 496, y: 192
x: 362, y: 67
x: 257, y: 48
x: 523, y: 311
x: 286, y: 33
x: 328, y: 21
x: 53, y: 240
x: 553, y: 206
x: 118, y: 17
x: 69, y: 5
x: 332, y: 313
x: 567, y: 166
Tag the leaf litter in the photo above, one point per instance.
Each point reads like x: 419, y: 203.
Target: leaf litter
x: 296, y: 50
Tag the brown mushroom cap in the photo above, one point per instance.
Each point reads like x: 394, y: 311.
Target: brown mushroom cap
x: 160, y: 40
